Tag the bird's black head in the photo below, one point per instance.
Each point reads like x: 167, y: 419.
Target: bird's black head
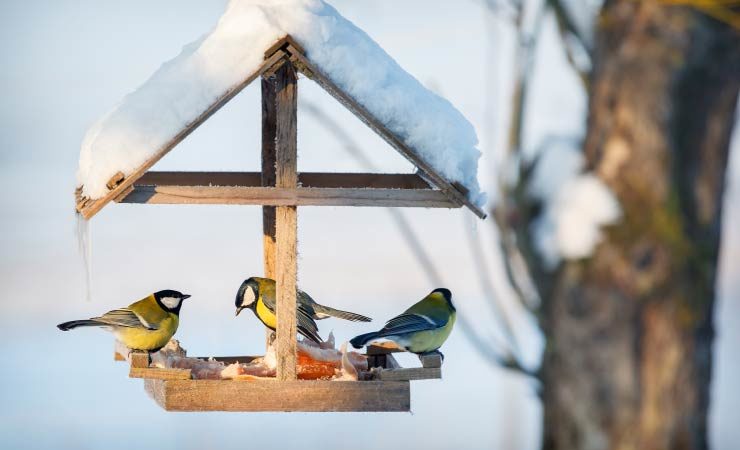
x: 447, y: 295
x: 170, y: 300
x: 247, y: 295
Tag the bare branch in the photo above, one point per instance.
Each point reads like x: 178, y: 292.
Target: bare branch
x: 484, y: 277
x: 488, y: 351
x: 569, y: 33
x: 567, y: 24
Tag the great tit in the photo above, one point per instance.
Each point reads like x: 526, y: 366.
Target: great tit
x: 145, y: 325
x: 258, y: 294
x: 422, y: 328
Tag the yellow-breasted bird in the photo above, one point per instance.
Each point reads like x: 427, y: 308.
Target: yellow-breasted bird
x: 422, y: 328
x: 145, y: 325
x: 258, y: 294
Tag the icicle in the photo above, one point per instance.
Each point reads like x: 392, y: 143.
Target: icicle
x: 471, y: 223
x: 84, y: 246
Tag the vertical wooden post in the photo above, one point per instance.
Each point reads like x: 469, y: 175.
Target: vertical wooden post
x: 280, y: 133
x: 269, y: 119
x: 269, y: 113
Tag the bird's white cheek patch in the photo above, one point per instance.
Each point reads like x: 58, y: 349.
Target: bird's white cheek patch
x: 249, y: 297
x: 170, y: 302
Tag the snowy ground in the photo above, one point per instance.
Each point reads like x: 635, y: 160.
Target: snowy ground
x: 66, y: 62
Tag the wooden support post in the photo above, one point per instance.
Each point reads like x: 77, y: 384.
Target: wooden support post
x: 280, y: 135
x: 269, y: 112
x: 286, y: 269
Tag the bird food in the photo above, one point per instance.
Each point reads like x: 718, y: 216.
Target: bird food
x: 315, y: 362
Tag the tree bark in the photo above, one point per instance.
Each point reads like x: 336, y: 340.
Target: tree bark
x: 629, y: 331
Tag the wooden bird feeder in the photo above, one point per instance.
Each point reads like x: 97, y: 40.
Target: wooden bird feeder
x: 280, y: 189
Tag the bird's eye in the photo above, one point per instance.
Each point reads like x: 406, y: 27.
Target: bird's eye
x: 249, y: 296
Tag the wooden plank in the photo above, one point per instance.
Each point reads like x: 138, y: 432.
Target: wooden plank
x: 267, y: 178
x: 305, y: 179
x: 282, y: 44
x: 383, y: 348
x: 115, y: 180
x: 268, y: 175
x: 431, y: 361
x: 426, y: 198
x: 313, y: 72
x: 156, y: 373
x: 139, y: 365
x: 284, y: 85
x: 415, y: 373
x: 227, y: 195
x: 288, y: 396
x: 391, y: 363
x: 286, y: 279
x: 375, y: 361
x: 138, y: 359
x: 88, y: 210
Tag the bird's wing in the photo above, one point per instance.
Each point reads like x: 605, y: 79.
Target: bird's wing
x: 304, y: 298
x: 409, y: 323
x: 306, y: 325
x: 303, y: 309
x: 124, y: 317
x: 304, y: 317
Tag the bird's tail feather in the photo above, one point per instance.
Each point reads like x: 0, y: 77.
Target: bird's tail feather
x: 79, y: 323
x: 361, y: 340
x: 346, y: 315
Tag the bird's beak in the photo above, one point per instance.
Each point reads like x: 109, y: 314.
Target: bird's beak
x: 186, y: 296
x: 238, y: 310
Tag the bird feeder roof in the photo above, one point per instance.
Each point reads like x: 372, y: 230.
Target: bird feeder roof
x: 250, y: 38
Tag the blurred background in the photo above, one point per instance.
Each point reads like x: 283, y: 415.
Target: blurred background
x: 65, y: 63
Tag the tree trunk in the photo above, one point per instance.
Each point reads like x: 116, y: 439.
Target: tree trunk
x: 629, y: 331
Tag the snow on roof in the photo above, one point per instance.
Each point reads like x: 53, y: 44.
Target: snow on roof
x: 179, y: 91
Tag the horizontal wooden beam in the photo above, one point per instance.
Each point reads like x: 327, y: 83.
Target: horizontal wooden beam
x: 410, y: 374
x: 270, y: 395
x: 305, y: 179
x: 301, y: 196
x: 156, y: 373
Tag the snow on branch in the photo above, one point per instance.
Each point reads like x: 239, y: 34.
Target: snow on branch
x: 576, y: 206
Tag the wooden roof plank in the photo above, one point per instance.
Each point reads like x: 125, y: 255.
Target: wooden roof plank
x: 282, y: 44
x: 91, y: 208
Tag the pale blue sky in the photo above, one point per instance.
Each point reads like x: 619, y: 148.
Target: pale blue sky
x: 65, y: 63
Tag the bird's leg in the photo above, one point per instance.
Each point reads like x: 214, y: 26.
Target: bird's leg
x: 271, y: 339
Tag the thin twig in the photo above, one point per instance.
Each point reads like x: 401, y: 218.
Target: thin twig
x: 566, y: 22
x: 516, y: 269
x: 503, y: 359
x: 484, y: 278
